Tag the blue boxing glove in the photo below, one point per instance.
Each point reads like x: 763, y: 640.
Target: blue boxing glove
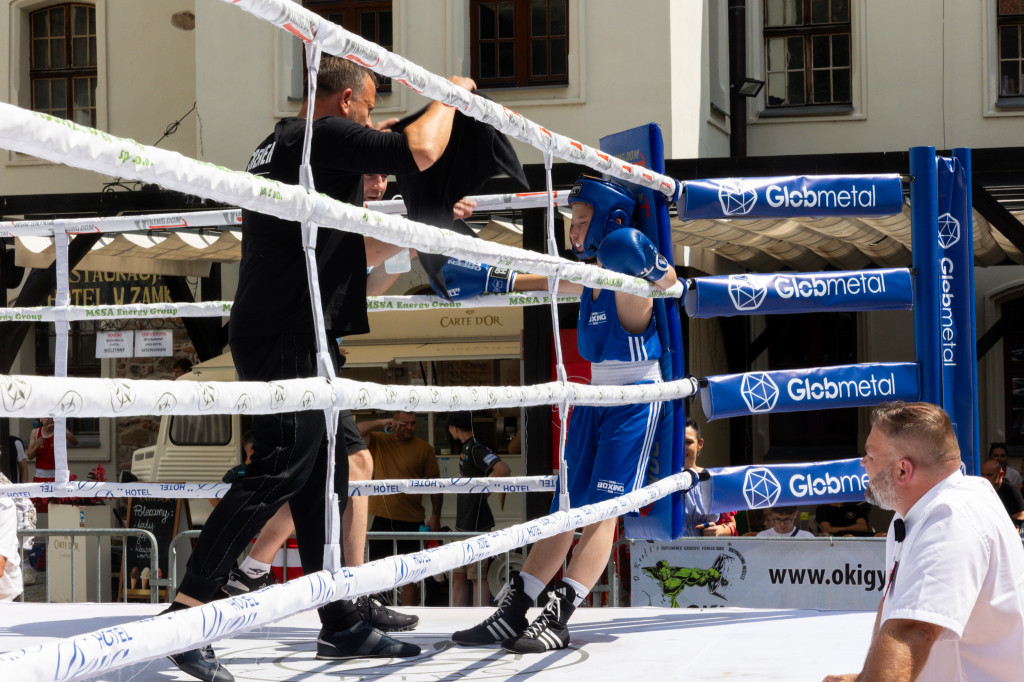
x: 464, y: 279
x: 628, y: 251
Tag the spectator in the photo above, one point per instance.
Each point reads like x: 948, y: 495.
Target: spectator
x: 181, y: 366
x: 997, y: 451
x: 398, y: 453
x: 21, y: 459
x: 698, y: 522
x: 953, y: 604
x: 844, y: 518
x: 26, y: 521
x: 40, y: 449
x: 1008, y: 495
x: 10, y: 552
x: 473, y: 513
x: 784, y: 525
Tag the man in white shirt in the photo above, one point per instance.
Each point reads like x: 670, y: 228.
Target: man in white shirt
x: 10, y: 552
x: 953, y: 606
x: 783, y: 524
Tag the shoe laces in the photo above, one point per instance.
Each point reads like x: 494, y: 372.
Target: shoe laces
x: 551, y: 612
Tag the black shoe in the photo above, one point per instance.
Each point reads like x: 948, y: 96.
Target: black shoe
x: 361, y: 640
x: 239, y: 582
x: 549, y: 631
x: 202, y: 664
x: 374, y: 612
x: 505, y: 623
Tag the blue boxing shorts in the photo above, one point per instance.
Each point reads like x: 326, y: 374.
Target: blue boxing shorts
x: 607, y: 450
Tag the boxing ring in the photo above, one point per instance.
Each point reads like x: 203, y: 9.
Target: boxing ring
x: 270, y: 634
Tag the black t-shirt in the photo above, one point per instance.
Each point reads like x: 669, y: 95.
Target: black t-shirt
x: 1012, y: 500
x: 472, y: 511
x: 844, y: 515
x: 273, y: 296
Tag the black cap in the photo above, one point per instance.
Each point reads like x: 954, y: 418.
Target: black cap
x: 461, y: 420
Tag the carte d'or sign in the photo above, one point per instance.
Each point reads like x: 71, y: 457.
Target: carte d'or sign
x: 453, y: 322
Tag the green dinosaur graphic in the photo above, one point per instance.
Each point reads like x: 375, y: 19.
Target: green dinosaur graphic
x: 674, y: 579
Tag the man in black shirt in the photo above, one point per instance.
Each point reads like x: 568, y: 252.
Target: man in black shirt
x: 272, y: 338
x: 473, y: 514
x: 844, y: 518
x: 1008, y: 494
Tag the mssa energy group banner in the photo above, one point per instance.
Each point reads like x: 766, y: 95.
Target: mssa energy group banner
x: 806, y: 573
x: 803, y: 196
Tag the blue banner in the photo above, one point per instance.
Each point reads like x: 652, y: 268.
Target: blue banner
x: 799, y: 390
x: 663, y: 520
x: 808, y: 196
x: 956, y: 303
x: 809, y: 292
x: 785, y: 485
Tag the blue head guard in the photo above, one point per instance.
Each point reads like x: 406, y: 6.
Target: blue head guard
x: 612, y: 203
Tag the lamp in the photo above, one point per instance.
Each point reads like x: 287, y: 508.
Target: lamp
x: 749, y: 87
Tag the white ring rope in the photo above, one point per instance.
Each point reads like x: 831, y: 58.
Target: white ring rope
x: 115, y: 647
x: 231, y: 219
x: 390, y: 486
x: 374, y: 304
x: 335, y: 40
x: 66, y: 142
x: 22, y: 395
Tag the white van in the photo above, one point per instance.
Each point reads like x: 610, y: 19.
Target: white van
x: 194, y: 448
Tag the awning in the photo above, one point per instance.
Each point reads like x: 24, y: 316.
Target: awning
x: 181, y: 253
x: 382, y: 355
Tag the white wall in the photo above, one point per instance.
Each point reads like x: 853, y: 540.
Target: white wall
x: 146, y: 80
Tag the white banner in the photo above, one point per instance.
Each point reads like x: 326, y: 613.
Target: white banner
x: 809, y: 573
x: 154, y: 343
x: 114, y: 344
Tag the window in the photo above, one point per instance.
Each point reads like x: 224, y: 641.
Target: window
x: 369, y: 19
x: 1013, y: 370
x: 518, y: 43
x: 812, y: 340
x: 1010, y: 27
x: 807, y: 53
x: 63, y: 62
x: 82, y: 362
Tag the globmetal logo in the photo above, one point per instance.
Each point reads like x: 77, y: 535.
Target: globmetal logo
x: 803, y: 485
x: 761, y: 488
x: 949, y: 230
x: 759, y: 392
x: 736, y: 198
x: 746, y: 293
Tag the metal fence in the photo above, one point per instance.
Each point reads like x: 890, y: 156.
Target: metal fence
x: 123, y: 533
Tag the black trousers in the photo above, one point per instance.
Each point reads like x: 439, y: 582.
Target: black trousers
x: 289, y: 464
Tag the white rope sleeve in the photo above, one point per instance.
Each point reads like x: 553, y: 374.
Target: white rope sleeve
x: 374, y: 304
x: 92, y: 653
x: 66, y: 142
x: 304, y: 23
x: 232, y: 218
x: 508, y: 484
x: 32, y: 396
x: 130, y: 311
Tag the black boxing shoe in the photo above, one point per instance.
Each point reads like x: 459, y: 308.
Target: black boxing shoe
x: 202, y: 664
x: 550, y: 630
x: 376, y: 613
x: 508, y: 622
x: 361, y: 640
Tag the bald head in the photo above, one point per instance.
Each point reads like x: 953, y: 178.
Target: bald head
x: 993, y: 471
x: 922, y: 432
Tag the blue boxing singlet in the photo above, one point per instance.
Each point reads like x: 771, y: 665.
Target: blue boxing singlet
x: 600, y: 336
